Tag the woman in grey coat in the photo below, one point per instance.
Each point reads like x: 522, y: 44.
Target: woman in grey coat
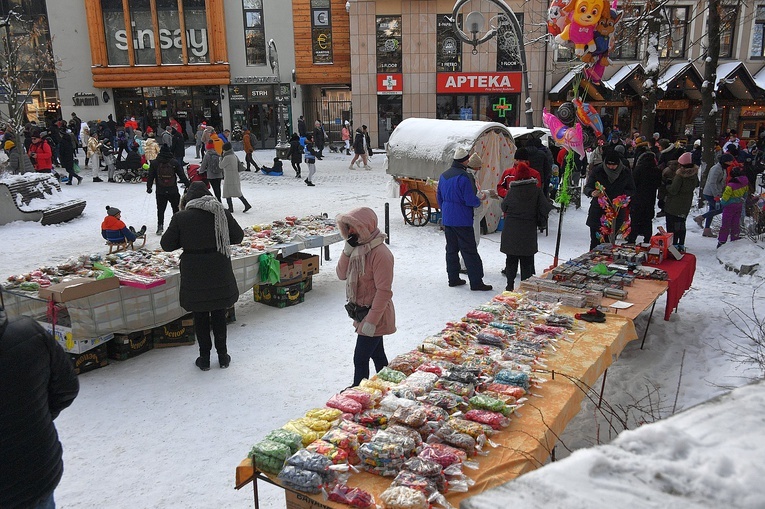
x: 18, y: 161
x: 205, y: 232
x: 525, y: 208
x: 232, y: 186
x: 211, y: 167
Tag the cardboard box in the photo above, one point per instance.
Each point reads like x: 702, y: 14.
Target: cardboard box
x: 279, y: 296
x: 127, y: 346
x: 77, y: 288
x: 63, y: 335
x: 179, y: 332
x: 307, y: 283
x: 290, y: 269
x: 295, y: 500
x: 310, y: 263
x: 90, y: 360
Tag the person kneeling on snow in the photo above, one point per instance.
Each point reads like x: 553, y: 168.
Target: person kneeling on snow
x: 113, y: 229
x: 276, y: 169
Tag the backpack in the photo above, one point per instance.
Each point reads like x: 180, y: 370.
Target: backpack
x: 165, y: 174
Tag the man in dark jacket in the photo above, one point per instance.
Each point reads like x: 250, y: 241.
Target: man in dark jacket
x: 318, y: 139
x: 617, y: 180
x: 540, y: 158
x: 302, y: 130
x: 38, y: 381
x: 179, y: 148
x: 167, y: 188
x: 457, y: 200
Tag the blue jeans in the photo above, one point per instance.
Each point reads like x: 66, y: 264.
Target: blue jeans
x: 47, y: 503
x: 714, y: 209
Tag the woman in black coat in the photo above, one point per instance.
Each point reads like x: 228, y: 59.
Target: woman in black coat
x: 296, y: 154
x: 647, y: 177
x: 617, y: 180
x: 205, y: 231
x: 525, y: 208
x: 66, y: 158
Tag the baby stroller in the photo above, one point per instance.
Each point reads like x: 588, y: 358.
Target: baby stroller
x: 125, y: 173
x: 192, y: 171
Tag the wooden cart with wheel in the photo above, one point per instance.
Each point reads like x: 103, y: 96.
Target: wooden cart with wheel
x: 418, y: 200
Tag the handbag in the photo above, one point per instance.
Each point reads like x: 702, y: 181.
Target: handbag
x: 356, y: 312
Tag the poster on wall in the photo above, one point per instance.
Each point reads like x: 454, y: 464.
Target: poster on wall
x: 448, y: 46
x: 321, y: 31
x: 389, y: 56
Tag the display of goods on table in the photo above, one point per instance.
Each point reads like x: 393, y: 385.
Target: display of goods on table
x: 423, y: 419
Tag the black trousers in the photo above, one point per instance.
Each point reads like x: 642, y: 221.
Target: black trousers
x: 296, y: 167
x: 215, y: 184
x: 163, y: 199
x: 460, y: 240
x: 511, y: 268
x: 203, y: 322
x: 248, y: 159
x: 676, y: 226
x: 367, y: 348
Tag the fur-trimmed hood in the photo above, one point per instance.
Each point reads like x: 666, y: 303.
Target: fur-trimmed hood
x: 363, y: 220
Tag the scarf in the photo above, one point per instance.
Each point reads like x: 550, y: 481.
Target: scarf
x: 356, y: 266
x: 613, y: 174
x: 213, y: 206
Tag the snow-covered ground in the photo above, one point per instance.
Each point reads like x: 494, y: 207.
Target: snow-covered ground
x: 155, y: 431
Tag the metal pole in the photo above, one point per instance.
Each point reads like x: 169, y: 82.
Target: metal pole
x: 387, y: 223
x: 491, y: 33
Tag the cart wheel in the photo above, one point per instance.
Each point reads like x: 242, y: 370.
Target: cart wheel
x: 119, y: 178
x: 415, y: 208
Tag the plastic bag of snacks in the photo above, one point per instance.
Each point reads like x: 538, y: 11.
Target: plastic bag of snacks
x: 313, y: 461
x: 413, y: 416
x: 354, y: 497
x: 463, y: 375
x: 516, y: 378
x: 362, y: 397
x: 494, y: 419
x: 450, y: 436
x: 428, y: 469
x: 378, y: 383
x: 459, y: 388
x: 301, y: 480
x: 422, y: 379
x: 442, y: 454
x: 445, y: 399
x: 342, y: 439
x: 269, y: 456
x: 288, y: 438
x: 376, y: 394
x: 306, y: 434
x: 345, y: 404
x: 407, y: 362
x: 391, y: 375
x: 407, y: 392
x: 472, y: 428
x: 416, y: 482
x: 432, y: 367
x: 434, y: 413
x: 492, y: 337
x: 406, y: 431
x: 315, y: 424
x: 373, y: 417
x: 401, y: 497
x: 363, y: 434
x: 480, y: 316
x: 486, y: 402
x: 332, y: 452
x: 325, y: 414
x: 391, y: 402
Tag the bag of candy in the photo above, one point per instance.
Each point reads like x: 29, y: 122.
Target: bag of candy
x: 494, y: 419
x: 345, y: 404
x: 288, y: 438
x: 363, y: 434
x: 442, y: 454
x: 448, y: 435
x: 313, y: 461
x: 354, y: 497
x: 373, y: 418
x: 342, y: 439
x: 459, y: 388
x: 401, y: 497
x: 325, y: 414
x: 269, y: 456
x: 332, y: 452
x: 406, y: 431
x: 486, y: 402
x: 445, y: 399
x: 472, y: 428
x: 391, y: 375
x: 301, y: 480
x: 516, y: 378
x: 413, y: 416
x: 362, y: 397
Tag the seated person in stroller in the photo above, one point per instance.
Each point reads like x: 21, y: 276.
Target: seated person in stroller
x: 113, y: 229
x: 276, y: 169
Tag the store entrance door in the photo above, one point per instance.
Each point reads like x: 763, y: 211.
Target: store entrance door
x: 261, y: 118
x: 389, y: 113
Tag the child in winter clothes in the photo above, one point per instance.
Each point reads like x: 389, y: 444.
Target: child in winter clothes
x: 108, y: 154
x: 310, y: 159
x: 732, y: 201
x: 683, y: 179
x: 115, y: 231
x: 510, y: 174
x: 276, y: 169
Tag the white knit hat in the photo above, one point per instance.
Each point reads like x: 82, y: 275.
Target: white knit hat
x: 460, y: 154
x: 475, y: 161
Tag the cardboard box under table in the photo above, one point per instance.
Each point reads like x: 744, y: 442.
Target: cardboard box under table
x: 526, y: 443
x: 280, y: 295
x: 179, y: 332
x: 92, y: 359
x: 127, y: 346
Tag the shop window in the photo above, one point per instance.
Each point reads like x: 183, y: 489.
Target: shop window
x: 672, y: 34
x: 727, y: 31
x: 627, y: 41
x: 144, y: 41
x: 508, y: 55
x: 254, y: 32
x: 758, y: 33
x: 321, y: 31
x: 448, y: 45
x: 388, y: 41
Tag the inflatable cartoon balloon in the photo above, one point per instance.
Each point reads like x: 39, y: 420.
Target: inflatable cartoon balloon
x: 588, y: 116
x: 604, y: 42
x: 556, y: 18
x: 583, y: 17
x: 566, y: 113
x: 569, y: 137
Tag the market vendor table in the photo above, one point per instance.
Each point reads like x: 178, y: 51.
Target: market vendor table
x: 529, y: 440
x: 680, y: 277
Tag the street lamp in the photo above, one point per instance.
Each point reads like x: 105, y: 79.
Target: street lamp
x: 282, y: 148
x: 474, y: 23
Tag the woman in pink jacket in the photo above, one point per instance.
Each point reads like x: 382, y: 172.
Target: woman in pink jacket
x: 366, y: 266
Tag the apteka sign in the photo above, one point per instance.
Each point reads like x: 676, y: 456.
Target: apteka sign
x: 478, y: 82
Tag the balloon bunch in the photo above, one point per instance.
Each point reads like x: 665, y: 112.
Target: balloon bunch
x: 587, y: 26
x: 611, y: 210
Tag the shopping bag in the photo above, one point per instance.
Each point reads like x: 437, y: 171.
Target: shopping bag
x: 105, y: 271
x: 269, y: 269
x: 76, y: 166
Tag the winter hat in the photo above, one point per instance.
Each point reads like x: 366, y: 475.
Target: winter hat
x: 521, y: 154
x: 697, y: 143
x: 227, y: 146
x: 664, y: 143
x: 656, y: 136
x: 460, y: 154
x: 732, y: 150
x: 475, y: 161
x: 726, y: 159
x: 619, y: 149
x: 685, y: 160
x: 611, y: 157
x: 209, y: 146
x: 9, y: 145
x: 640, y: 142
x: 555, y: 169
x: 112, y: 211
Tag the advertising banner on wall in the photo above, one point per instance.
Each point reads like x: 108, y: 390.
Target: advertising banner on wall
x: 478, y: 82
x: 390, y: 84
x: 388, y: 40
x: 321, y: 31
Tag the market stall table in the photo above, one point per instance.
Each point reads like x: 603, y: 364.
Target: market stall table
x: 680, y: 277
x: 529, y: 439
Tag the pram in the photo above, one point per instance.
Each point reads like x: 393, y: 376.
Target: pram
x: 192, y: 171
x: 125, y: 173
